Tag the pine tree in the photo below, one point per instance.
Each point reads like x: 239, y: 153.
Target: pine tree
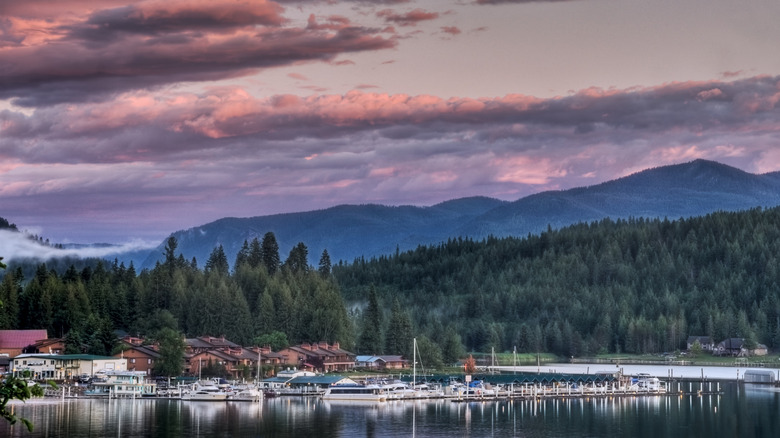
x: 270, y: 253
x: 297, y: 261
x: 398, y: 339
x: 370, y: 340
x: 242, y: 257
x: 324, y: 267
x: 170, y: 252
x: 217, y: 262
x: 255, y: 258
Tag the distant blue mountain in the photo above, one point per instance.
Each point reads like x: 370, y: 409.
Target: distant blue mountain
x: 352, y: 231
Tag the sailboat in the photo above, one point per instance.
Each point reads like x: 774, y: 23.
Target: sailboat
x: 421, y: 390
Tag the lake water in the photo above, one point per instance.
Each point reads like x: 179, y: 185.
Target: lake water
x: 740, y: 411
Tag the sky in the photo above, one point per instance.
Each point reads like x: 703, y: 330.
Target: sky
x: 123, y: 121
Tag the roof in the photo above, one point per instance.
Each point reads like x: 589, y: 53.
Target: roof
x: 21, y: 338
x: 316, y: 380
x: 218, y: 342
x: 145, y: 350
x: 521, y: 378
x: 217, y: 353
x: 380, y: 358
x: 732, y: 343
x: 197, y: 343
x: 66, y: 356
x: 276, y: 380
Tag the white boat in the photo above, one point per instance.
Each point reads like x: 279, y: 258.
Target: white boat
x: 398, y: 391
x: 646, y: 382
x: 205, y: 390
x: 355, y: 392
x: 249, y: 394
x: 476, y: 388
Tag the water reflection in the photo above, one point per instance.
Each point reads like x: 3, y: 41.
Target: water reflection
x: 742, y: 410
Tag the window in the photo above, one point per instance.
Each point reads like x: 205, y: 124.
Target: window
x: 132, y: 360
x: 149, y: 361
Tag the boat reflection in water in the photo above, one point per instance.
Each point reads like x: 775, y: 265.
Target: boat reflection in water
x: 738, y: 410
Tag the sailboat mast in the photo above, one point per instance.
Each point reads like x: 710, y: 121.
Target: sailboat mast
x: 259, y: 366
x: 414, y: 365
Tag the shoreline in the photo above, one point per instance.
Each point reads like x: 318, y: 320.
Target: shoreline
x: 688, y: 372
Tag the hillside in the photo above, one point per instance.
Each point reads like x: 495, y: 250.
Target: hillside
x: 636, y: 286
x: 351, y: 231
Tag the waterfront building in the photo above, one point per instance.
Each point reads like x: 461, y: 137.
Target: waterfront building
x: 64, y: 366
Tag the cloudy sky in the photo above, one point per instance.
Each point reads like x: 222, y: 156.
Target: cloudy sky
x: 124, y: 119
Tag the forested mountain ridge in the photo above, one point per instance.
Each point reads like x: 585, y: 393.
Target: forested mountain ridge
x: 639, y: 286
x: 636, y: 285
x: 681, y: 190
x: 351, y: 231
x: 346, y: 231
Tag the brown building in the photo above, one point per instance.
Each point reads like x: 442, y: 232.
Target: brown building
x: 320, y: 356
x: 140, y: 358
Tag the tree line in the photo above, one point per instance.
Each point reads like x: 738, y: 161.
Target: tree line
x: 261, y: 297
x: 612, y: 286
x: 635, y: 285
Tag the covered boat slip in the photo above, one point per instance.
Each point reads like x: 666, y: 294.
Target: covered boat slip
x: 304, y: 385
x: 545, y: 385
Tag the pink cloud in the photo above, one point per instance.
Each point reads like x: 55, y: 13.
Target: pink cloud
x: 496, y: 2
x: 452, y: 30
x: 709, y: 94
x: 731, y: 74
x: 342, y: 62
x: 410, y: 18
x: 526, y: 170
x: 298, y: 76
x: 254, y: 154
x: 152, y: 43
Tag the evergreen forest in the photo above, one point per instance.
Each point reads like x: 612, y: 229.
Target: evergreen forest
x: 626, y: 286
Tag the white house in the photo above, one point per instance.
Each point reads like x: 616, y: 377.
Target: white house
x: 64, y: 366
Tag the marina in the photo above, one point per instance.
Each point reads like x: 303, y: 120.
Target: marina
x: 739, y: 410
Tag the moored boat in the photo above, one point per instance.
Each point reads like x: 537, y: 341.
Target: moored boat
x: 249, y: 394
x: 355, y: 392
x: 205, y: 390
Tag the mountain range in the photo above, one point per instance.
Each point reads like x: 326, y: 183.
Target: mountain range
x: 352, y: 231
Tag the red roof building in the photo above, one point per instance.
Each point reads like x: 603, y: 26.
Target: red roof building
x: 12, y: 342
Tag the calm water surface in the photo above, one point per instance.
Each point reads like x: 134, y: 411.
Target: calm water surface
x: 741, y: 411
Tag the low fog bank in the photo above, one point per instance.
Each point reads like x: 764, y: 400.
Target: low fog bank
x: 15, y: 245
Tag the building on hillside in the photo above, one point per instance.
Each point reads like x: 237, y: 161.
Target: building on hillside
x: 64, y: 366
x: 195, y: 364
x: 732, y: 347
x: 267, y: 357
x: 706, y: 342
x: 320, y: 356
x: 14, y: 342
x: 132, y: 340
x: 140, y: 358
x: 209, y: 343
x: 760, y: 350
x: 47, y: 346
x: 381, y: 362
